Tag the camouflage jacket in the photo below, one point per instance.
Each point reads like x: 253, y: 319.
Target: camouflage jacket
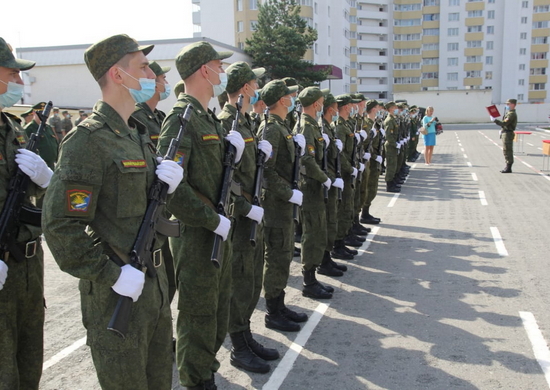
x: 47, y: 144
x: 509, y: 122
x: 312, y: 160
x: 151, y: 119
x: 392, y: 131
x: 346, y: 135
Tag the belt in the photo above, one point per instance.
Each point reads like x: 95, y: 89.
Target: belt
x: 22, y: 250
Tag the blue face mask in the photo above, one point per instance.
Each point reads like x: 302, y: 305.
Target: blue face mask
x: 335, y: 117
x: 219, y: 88
x: 166, y: 93
x: 12, y: 95
x: 146, y: 92
x: 292, y: 105
x: 254, y: 99
x: 396, y: 111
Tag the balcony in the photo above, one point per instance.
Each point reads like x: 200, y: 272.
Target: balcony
x: 373, y: 30
x: 372, y: 59
x: 364, y: 44
x: 375, y: 74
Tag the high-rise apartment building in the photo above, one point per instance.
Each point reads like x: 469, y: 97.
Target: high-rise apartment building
x: 385, y: 46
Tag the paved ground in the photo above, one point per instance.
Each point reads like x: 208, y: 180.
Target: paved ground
x: 433, y: 302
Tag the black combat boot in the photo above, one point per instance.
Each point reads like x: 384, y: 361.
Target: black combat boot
x: 352, y: 252
x: 339, y: 251
x: 288, y: 313
x: 297, y: 252
x: 335, y: 264
x: 259, y: 349
x: 312, y: 288
x: 391, y: 187
x: 352, y: 240
x: 355, y: 236
x: 367, y: 218
x: 326, y: 267
x: 358, y: 229
x: 274, y: 319
x: 507, y: 169
x: 207, y: 385
x: 243, y: 357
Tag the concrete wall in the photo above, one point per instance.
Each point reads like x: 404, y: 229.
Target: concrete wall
x: 468, y: 106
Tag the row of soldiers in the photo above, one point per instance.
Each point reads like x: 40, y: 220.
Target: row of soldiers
x: 323, y: 172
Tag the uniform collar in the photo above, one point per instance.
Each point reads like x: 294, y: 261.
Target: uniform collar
x: 111, y: 118
x: 198, y: 108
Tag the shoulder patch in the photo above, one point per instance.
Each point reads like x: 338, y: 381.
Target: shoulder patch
x: 154, y: 137
x: 320, y: 139
x: 134, y: 163
x: 21, y: 140
x: 249, y: 140
x: 78, y: 200
x: 311, y: 150
x: 179, y: 158
x: 289, y: 136
x: 210, y: 137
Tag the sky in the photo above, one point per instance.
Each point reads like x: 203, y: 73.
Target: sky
x: 69, y: 22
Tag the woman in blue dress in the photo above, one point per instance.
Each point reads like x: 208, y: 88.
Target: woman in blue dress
x: 429, y: 139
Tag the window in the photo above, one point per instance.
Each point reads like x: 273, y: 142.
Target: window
x: 473, y: 73
x: 489, y: 60
x: 475, y: 14
x: 490, y: 14
x: 523, y: 35
x: 353, y: 65
x: 406, y: 52
x: 475, y: 28
x: 353, y: 19
x: 521, y: 82
x: 452, y: 32
x: 539, y: 40
x: 520, y: 97
x: 239, y: 5
x: 406, y: 65
x: 524, y: 4
x: 430, y: 75
x: 406, y: 37
x: 521, y: 66
x: 524, y: 20
x: 490, y: 45
x: 454, y: 17
x: 329, y: 50
x: 430, y: 17
x: 537, y: 71
x: 470, y: 44
x: 537, y: 86
x: 428, y: 3
x: 253, y: 24
x: 452, y: 76
x: 328, y: 31
x: 346, y: 51
x: 315, y: 7
x: 452, y: 88
x: 382, y: 67
x: 488, y: 75
x: 490, y: 29
x: 430, y: 46
x: 328, y: 11
x: 539, y: 56
x: 491, y: 1
x: 241, y: 45
x: 406, y: 22
x: 522, y: 52
x: 406, y: 80
x: 307, y: 3
x: 253, y: 4
x: 473, y: 59
x: 240, y: 26
x: 431, y: 31
x: 430, y: 61
x: 316, y: 48
x: 309, y: 21
x: 453, y: 61
x: 452, y: 46
x: 541, y: 8
x: 407, y: 7
x: 453, y: 3
x: 543, y: 24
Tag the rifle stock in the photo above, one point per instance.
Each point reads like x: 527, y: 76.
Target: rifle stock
x: 258, y: 181
x: 296, y: 167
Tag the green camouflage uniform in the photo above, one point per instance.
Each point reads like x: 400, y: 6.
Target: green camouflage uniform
x: 22, y: 298
x: 508, y: 124
x: 47, y: 144
x: 367, y: 147
x: 66, y: 126
x: 55, y: 123
x: 375, y: 168
x: 390, y: 147
x: 345, y: 208
x: 332, y: 204
x: 314, y: 221
x: 203, y: 290
x: 93, y: 209
x: 278, y: 220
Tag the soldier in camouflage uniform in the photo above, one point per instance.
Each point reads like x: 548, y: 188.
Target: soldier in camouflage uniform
x: 27, y: 116
x: 413, y: 134
x: 391, y: 147
x: 66, y: 124
x: 204, y: 291
x: 508, y: 125
x: 48, y: 142
x: 92, y: 214
x: 81, y: 116
x: 55, y: 121
x: 248, y: 260
x: 22, y: 266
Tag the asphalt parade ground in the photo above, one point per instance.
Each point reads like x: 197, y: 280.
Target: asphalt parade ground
x: 450, y: 291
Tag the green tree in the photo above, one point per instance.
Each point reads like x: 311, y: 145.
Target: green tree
x: 280, y: 41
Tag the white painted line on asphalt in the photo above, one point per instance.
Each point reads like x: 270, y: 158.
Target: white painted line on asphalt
x: 498, y: 242
x: 474, y: 177
x: 286, y: 363
x: 465, y: 156
x: 529, y: 144
x: 63, y: 353
x: 413, y: 166
x: 540, y: 347
x: 482, y: 198
x: 459, y: 144
x: 369, y: 239
x: 539, y: 148
x: 393, y: 200
x: 462, y: 149
x: 524, y: 163
x: 469, y: 164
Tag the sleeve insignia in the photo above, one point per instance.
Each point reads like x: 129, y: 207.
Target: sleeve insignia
x: 311, y: 150
x: 179, y: 158
x: 78, y: 201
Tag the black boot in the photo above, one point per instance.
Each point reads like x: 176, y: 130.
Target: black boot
x: 297, y: 251
x: 358, y: 229
x: 288, y: 313
x: 243, y: 357
x: 352, y: 252
x: 258, y: 349
x: 335, y: 264
x: 339, y: 251
x: 274, y: 319
x: 356, y: 237
x: 367, y: 218
x: 507, y: 169
x: 326, y: 267
x: 351, y: 240
x: 312, y: 288
x: 207, y: 385
x: 390, y: 187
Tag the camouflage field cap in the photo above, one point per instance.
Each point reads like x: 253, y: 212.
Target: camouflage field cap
x: 101, y: 56
x: 344, y: 99
x: 157, y: 69
x: 276, y: 89
x: 329, y: 100
x: 309, y: 96
x: 389, y: 105
x: 195, y: 55
x: 7, y: 60
x: 81, y: 111
x: 359, y: 96
x: 239, y: 73
x: 371, y: 104
x: 179, y: 88
x: 64, y: 112
x: 513, y: 101
x: 291, y: 81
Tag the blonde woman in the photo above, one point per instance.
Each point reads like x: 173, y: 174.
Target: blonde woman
x: 429, y: 139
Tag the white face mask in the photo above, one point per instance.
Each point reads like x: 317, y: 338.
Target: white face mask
x: 12, y: 95
x: 219, y: 88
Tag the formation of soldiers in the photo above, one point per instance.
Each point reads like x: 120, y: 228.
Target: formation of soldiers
x: 322, y: 172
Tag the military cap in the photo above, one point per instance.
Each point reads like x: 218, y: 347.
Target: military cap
x: 64, y: 112
x: 239, y: 73
x: 276, y: 89
x: 28, y: 112
x: 389, y: 104
x: 7, y: 60
x: 81, y: 111
x: 413, y: 107
x: 513, y: 101
x: 195, y: 55
x: 40, y: 107
x: 179, y: 88
x: 157, y: 69
x: 344, y: 99
x: 371, y: 104
x: 291, y: 81
x: 101, y: 56
x: 359, y: 96
x: 400, y: 105
x: 309, y: 96
x: 55, y: 109
x: 329, y: 100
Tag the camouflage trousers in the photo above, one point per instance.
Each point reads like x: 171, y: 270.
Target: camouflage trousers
x: 345, y: 209
x: 204, y: 292
x: 279, y: 250
x: 332, y: 217
x: 508, y: 146
x: 170, y: 271
x: 314, y: 223
x: 143, y: 359
x: 22, y: 323
x: 372, y: 183
x: 391, y: 161
x: 361, y: 195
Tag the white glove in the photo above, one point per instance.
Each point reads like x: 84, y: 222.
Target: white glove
x: 500, y: 133
x: 265, y: 146
x: 418, y: 133
x: 492, y: 118
x: 297, y: 197
x: 366, y: 156
x: 223, y: 227
x: 379, y: 159
x: 3, y: 274
x: 327, y: 184
x: 363, y: 134
x: 339, y: 145
x: 256, y: 214
x: 327, y: 140
x: 354, y: 173
x: 301, y: 141
x: 169, y: 172
x: 338, y: 183
x: 235, y: 138
x: 398, y: 146
x: 361, y: 167
x: 373, y: 131
x: 130, y: 282
x: 383, y: 132
x: 358, y: 137
x: 34, y: 167
x: 408, y: 138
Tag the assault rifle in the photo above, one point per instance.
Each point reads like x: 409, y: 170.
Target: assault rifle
x: 258, y: 181
x: 324, y: 163
x: 296, y: 168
